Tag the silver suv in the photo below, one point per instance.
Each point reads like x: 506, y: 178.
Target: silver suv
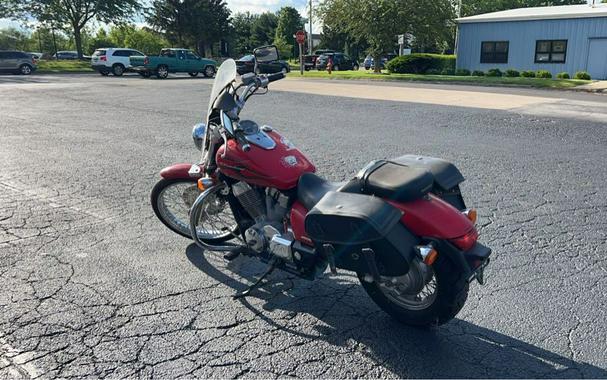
x: 17, y: 62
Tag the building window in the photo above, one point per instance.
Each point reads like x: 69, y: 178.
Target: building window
x: 494, y: 51
x: 553, y: 51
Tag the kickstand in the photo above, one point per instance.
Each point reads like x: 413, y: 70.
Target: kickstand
x: 257, y: 283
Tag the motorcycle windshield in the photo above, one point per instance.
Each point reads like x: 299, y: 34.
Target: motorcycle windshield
x: 225, y: 75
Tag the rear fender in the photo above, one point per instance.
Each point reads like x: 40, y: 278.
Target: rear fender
x: 434, y: 218
x: 181, y: 171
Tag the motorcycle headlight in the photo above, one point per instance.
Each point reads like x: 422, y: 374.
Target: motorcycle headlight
x: 198, y: 133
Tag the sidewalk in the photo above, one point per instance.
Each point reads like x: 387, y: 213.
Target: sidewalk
x: 599, y: 86
x: 536, y: 104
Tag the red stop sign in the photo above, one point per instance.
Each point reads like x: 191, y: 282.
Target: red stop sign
x: 300, y: 36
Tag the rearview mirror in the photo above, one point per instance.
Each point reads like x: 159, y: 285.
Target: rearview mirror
x: 266, y: 53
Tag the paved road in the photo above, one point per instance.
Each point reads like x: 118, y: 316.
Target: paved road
x: 94, y: 285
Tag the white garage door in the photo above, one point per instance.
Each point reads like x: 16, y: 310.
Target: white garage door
x: 597, y: 58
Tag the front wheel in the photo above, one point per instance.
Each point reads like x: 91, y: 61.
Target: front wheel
x: 172, y: 199
x: 425, y: 296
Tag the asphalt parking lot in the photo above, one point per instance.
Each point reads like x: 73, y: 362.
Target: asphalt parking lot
x: 94, y: 285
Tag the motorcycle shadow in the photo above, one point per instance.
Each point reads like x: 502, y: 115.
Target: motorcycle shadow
x: 350, y: 321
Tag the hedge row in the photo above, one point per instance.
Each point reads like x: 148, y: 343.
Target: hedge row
x: 437, y: 64
x: 511, y: 73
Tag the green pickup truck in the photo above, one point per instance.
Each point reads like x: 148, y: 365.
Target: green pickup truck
x: 173, y: 61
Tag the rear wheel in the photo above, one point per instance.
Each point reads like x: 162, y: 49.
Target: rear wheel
x: 162, y: 72
x: 118, y: 69
x: 209, y: 71
x: 172, y: 199
x: 425, y: 296
x: 25, y: 69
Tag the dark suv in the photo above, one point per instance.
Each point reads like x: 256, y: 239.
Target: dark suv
x: 17, y: 62
x: 340, y: 62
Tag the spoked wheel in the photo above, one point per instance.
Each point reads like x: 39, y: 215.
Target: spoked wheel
x: 425, y: 296
x: 172, y: 200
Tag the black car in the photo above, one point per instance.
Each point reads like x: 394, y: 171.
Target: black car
x: 246, y: 64
x: 341, y: 61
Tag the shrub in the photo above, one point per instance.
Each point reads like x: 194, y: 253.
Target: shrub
x: 494, y: 73
x: 421, y: 63
x: 478, y: 73
x: 511, y: 73
x: 433, y: 72
x: 528, y: 74
x: 563, y: 75
x: 582, y: 75
x: 448, y: 71
x: 462, y: 72
x: 543, y: 74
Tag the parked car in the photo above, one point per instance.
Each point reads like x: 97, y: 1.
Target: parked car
x: 246, y: 64
x: 36, y: 55
x: 310, y: 60
x: 68, y: 54
x: 113, y: 60
x: 17, y: 62
x: 341, y: 61
x: 369, y: 62
x: 173, y: 61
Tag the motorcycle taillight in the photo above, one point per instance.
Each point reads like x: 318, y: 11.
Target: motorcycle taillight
x: 467, y: 241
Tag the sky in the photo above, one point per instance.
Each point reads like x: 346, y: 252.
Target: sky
x: 253, y: 6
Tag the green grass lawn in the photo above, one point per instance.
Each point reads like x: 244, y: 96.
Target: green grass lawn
x: 483, y: 81
x: 64, y: 66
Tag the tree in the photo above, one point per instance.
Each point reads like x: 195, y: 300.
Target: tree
x: 263, y: 29
x: 73, y: 15
x: 191, y: 23
x: 377, y: 22
x: 289, y: 22
x: 242, y: 24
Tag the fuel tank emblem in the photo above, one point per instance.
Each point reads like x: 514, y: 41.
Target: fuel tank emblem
x: 289, y: 161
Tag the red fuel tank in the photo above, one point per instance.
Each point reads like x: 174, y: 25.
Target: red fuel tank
x: 279, y: 167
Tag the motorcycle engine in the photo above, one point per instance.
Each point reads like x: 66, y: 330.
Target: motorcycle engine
x: 268, y: 209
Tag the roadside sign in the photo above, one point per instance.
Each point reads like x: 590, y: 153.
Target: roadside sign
x: 401, y: 39
x: 300, y: 36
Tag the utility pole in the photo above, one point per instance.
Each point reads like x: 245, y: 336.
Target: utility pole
x: 459, y: 15
x: 310, y: 43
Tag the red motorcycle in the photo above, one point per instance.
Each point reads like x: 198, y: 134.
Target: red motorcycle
x: 400, y: 224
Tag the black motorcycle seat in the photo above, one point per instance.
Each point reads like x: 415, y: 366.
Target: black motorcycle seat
x: 384, y: 179
x: 394, y: 181
x: 311, y: 188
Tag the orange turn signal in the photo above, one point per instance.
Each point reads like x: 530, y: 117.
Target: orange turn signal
x: 431, y: 258
x: 471, y: 215
x: 205, y: 183
x: 427, y: 253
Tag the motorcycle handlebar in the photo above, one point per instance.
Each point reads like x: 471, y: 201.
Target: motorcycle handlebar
x: 275, y: 77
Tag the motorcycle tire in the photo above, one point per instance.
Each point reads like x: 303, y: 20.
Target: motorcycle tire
x: 155, y: 200
x: 452, y: 292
